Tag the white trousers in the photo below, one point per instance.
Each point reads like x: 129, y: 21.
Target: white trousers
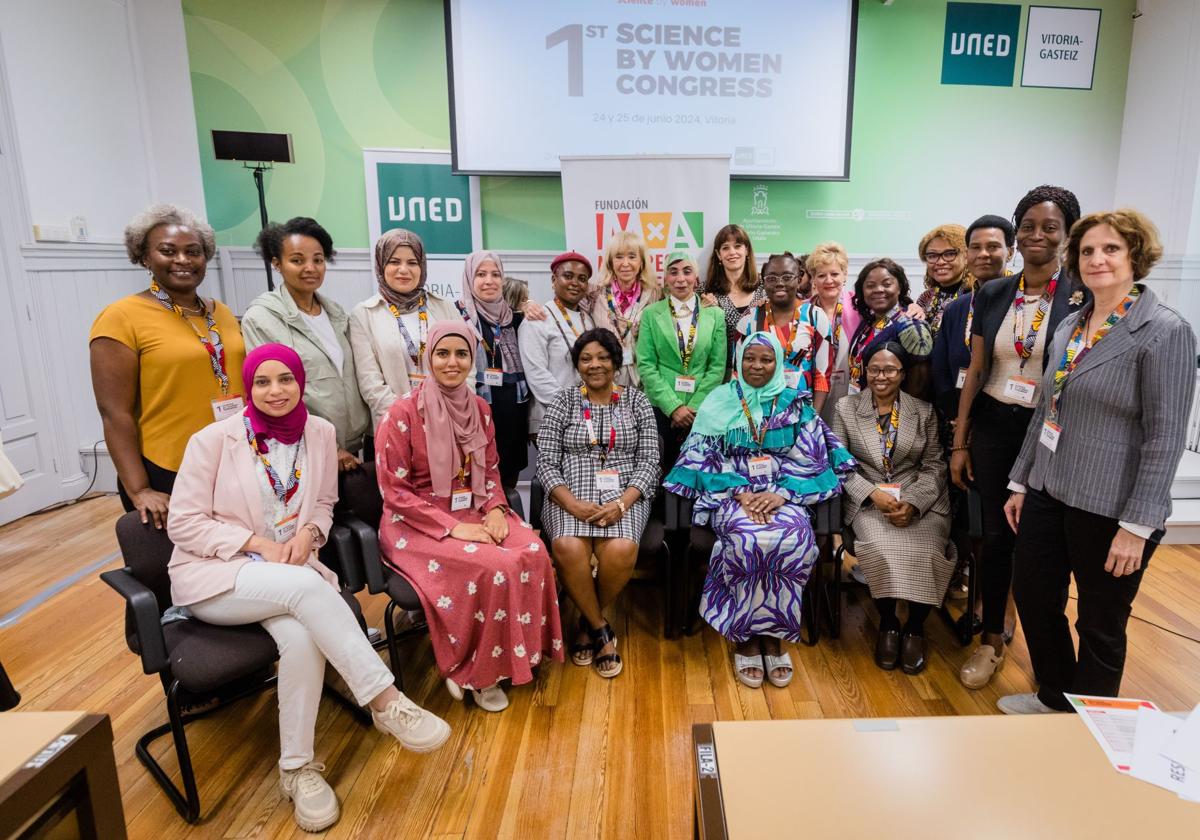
x: 310, y: 624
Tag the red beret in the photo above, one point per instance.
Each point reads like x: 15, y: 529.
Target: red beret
x: 571, y: 255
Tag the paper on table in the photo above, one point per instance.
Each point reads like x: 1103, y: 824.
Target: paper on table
x: 1154, y: 731
x: 1112, y: 722
x: 1185, y: 746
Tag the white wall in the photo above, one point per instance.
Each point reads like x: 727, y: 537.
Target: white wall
x: 103, y: 107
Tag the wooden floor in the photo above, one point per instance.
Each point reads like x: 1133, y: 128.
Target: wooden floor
x: 574, y: 756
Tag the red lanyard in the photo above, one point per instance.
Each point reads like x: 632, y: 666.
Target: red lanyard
x: 284, y: 494
x: 593, y: 439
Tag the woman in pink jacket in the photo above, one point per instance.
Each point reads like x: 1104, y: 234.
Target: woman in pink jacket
x: 253, y: 500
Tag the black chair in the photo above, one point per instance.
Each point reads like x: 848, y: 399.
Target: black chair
x: 964, y: 625
x: 653, y: 548
x: 9, y: 698
x: 822, y: 593
x: 197, y: 663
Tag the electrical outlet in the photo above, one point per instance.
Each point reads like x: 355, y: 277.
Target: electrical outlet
x: 51, y: 233
x: 79, y: 231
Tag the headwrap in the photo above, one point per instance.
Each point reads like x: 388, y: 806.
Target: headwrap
x: 385, y: 246
x: 568, y: 256
x: 453, y: 420
x: 497, y: 312
x: 290, y: 427
x: 722, y: 412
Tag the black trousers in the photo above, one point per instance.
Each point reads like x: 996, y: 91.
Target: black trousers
x: 511, y: 419
x: 1055, y: 542
x: 162, y: 480
x: 997, y: 432
x: 672, y: 439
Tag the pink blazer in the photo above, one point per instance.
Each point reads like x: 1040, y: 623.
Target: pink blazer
x: 216, y: 507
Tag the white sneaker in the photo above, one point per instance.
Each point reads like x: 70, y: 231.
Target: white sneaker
x: 316, y: 803
x: 491, y: 699
x: 415, y: 728
x: 1023, y: 704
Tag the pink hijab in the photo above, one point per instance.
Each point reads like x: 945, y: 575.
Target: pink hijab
x: 289, y: 427
x: 453, y: 420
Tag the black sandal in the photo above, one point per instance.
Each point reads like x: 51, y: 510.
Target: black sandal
x: 581, y: 654
x: 600, y: 638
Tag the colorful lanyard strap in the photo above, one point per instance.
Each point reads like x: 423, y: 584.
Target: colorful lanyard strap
x: 757, y: 433
x: 493, y: 349
x: 1076, y: 348
x: 415, y: 352
x: 284, y: 494
x: 464, y: 471
x: 970, y: 319
x: 1024, y: 346
x: 617, y: 318
x: 212, y: 342
x: 786, y: 335
x: 856, y: 354
x: 835, y: 333
x: 686, y: 350
x: 566, y: 313
x: 593, y: 438
x: 887, y: 438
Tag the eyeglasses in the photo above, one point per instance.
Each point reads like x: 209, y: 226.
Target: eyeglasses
x: 945, y: 256
x: 884, y: 372
x: 778, y: 278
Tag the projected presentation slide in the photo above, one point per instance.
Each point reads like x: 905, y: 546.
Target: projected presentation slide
x: 766, y: 82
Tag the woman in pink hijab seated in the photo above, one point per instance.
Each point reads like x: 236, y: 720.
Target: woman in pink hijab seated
x: 253, y: 501
x: 484, y: 578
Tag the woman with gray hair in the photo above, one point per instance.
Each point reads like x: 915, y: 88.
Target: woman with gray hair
x: 165, y: 361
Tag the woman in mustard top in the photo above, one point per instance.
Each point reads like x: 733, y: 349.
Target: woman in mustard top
x: 166, y: 362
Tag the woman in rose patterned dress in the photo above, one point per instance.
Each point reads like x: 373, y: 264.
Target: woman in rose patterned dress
x: 484, y: 578
x: 756, y: 457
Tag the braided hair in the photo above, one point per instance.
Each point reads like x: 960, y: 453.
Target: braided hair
x: 1060, y: 197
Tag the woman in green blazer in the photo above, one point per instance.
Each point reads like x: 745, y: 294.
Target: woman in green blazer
x: 680, y: 354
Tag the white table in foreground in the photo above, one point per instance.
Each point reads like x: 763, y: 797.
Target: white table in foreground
x: 922, y: 777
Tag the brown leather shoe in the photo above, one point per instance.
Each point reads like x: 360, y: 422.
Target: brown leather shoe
x: 887, y: 649
x: 912, y: 654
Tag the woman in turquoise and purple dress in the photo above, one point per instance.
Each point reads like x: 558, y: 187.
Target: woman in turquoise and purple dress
x: 756, y: 457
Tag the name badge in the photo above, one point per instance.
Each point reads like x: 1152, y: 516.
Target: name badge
x: 460, y: 499
x: 685, y: 384
x: 608, y: 480
x: 285, y: 528
x: 1020, y: 389
x: 792, y: 378
x: 1049, y: 436
x: 760, y: 466
x: 415, y: 379
x: 892, y: 490
x: 493, y: 376
x: 962, y: 378
x: 227, y: 407
x: 853, y: 388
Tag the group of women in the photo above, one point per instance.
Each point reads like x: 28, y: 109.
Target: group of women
x: 758, y: 391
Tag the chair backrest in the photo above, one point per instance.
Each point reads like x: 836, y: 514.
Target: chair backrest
x: 360, y: 493
x: 147, y: 551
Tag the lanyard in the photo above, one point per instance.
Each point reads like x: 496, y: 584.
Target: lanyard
x: 787, y: 338
x: 856, y: 365
x: 464, y: 471
x: 618, y: 318
x: 834, y: 340
x: 284, y: 494
x: 567, y: 317
x: 756, y: 433
x: 887, y: 438
x: 941, y: 297
x: 970, y: 318
x: 685, y: 351
x: 593, y: 439
x: 1076, y: 349
x: 212, y: 343
x: 1024, y: 346
x: 493, y: 349
x: 414, y: 352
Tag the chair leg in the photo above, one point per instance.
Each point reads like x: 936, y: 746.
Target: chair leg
x: 670, y: 596
x: 393, y: 646
x: 187, y: 803
x: 834, y: 591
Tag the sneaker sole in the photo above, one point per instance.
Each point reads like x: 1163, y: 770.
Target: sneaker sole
x: 315, y: 825
x: 423, y: 748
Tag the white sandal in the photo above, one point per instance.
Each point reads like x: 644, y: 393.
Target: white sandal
x: 777, y: 662
x: 743, y: 663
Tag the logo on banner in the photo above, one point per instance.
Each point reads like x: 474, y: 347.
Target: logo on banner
x: 758, y: 203
x: 979, y: 47
x: 661, y: 231
x: 429, y: 200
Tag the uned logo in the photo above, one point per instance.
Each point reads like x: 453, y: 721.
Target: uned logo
x: 419, y: 208
x: 682, y: 230
x: 977, y: 48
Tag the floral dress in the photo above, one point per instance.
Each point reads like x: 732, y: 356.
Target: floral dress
x: 492, y: 610
x: 757, y: 573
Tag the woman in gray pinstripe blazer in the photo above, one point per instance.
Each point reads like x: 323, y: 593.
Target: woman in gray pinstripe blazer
x: 1092, y: 485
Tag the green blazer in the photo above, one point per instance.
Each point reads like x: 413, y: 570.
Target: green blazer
x: 659, y: 361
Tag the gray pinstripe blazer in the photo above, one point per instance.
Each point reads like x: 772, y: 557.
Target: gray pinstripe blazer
x: 1123, y: 414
